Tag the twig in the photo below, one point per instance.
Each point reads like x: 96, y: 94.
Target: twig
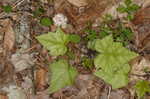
x: 108, y: 97
x: 18, y: 3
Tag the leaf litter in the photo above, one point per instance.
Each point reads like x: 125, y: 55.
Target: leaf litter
x: 24, y: 71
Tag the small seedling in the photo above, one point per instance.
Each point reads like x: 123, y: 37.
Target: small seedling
x: 130, y: 8
x: 38, y: 12
x: 107, y: 18
x: 124, y: 35
x: 87, y: 62
x: 105, y: 31
x: 46, y: 21
x: 91, y: 34
x: 142, y: 87
x: 7, y: 8
x: 74, y: 38
x: 71, y: 55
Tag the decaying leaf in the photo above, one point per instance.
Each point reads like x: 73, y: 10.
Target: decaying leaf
x: 41, y: 95
x: 142, y: 26
x: 78, y: 14
x: 9, y: 34
x: 15, y: 92
x: 120, y: 94
x: 3, y: 96
x: 21, y: 61
x: 41, y: 79
x: 139, y: 68
x: 6, y: 72
x: 79, y: 3
x: 142, y: 3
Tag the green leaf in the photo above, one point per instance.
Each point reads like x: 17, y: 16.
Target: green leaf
x: 87, y: 62
x: 117, y: 80
x: 71, y: 55
x: 142, y: 87
x: 105, y: 31
x: 55, y: 42
x: 127, y: 32
x: 74, y: 38
x: 46, y: 21
x: 112, y: 53
x: 113, y: 60
x: 7, y: 8
x: 121, y: 9
x: 91, y: 34
x: 38, y: 12
x: 128, y: 2
x: 103, y: 34
x: 62, y: 75
x: 133, y: 8
x: 130, y: 17
x: 107, y: 17
x: 91, y: 44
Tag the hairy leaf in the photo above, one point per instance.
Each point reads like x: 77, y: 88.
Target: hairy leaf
x: 117, y: 79
x: 62, y: 75
x: 112, y: 64
x: 55, y: 42
x: 112, y: 53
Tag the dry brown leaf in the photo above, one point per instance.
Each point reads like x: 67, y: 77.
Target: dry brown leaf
x: 41, y: 79
x: 142, y: 26
x: 120, y: 94
x: 142, y: 3
x: 9, y: 36
x: 79, y: 3
x: 138, y: 68
x: 6, y: 75
x: 79, y: 16
x: 2, y: 96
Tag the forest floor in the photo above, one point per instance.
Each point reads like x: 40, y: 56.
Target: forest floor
x: 35, y: 66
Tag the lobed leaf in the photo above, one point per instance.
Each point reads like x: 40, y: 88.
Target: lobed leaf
x: 55, y: 42
x: 112, y: 61
x: 62, y: 75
